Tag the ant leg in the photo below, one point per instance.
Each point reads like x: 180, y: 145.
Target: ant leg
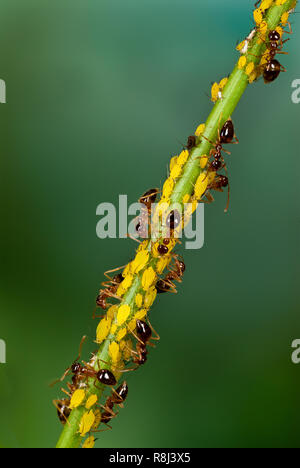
x: 157, y: 337
x: 134, y: 239
x: 67, y: 393
x: 113, y: 271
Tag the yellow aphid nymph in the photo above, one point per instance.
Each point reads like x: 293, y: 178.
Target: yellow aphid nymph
x: 86, y: 423
x: 148, y: 278
x: 103, y: 330
x: 77, y: 398
x: 91, y: 401
x: 123, y: 313
x: 89, y: 443
x: 114, y: 352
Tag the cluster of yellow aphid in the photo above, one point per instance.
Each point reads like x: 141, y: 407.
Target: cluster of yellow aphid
x: 148, y: 264
x: 251, y: 70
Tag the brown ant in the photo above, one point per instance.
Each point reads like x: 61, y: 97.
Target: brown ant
x: 273, y: 68
x: 82, y: 372
x: 175, y: 274
x: 147, y: 200
x: 225, y: 136
x: 117, y: 397
x: 191, y: 142
x: 109, y: 291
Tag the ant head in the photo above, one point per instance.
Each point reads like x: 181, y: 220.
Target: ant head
x: 223, y: 181
x: 118, y: 278
x: 76, y: 367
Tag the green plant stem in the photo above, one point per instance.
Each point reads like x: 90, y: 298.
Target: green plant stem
x: 221, y: 112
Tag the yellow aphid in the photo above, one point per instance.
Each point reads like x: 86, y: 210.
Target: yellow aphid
x: 285, y: 18
x: 162, y: 263
x: 89, y: 443
x: 148, y: 278
x: 241, y: 46
x: 258, y: 16
x: 127, y: 282
x: 123, y: 313
x: 114, y: 352
x: 263, y: 28
x: 113, y: 328
x: 173, y: 162
x: 161, y: 209
x: 103, y: 330
x: 176, y: 172
x: 121, y: 334
x: 279, y: 30
x: 77, y: 398
x: 280, y: 2
x: 143, y: 246
x: 215, y: 92
x: 140, y: 261
x: 249, y: 69
x: 140, y: 314
x: 203, y: 161
x: 121, y: 291
x: 201, y: 185
x: 139, y: 300
x: 186, y: 198
x: 97, y: 414
x: 168, y: 188
x: 200, y: 130
x: 183, y: 157
x: 150, y: 297
x: 111, y: 312
x: 223, y: 83
x: 252, y: 77
x: 265, y: 4
x: 132, y: 325
x: 242, y: 62
x: 91, y: 401
x: 126, y: 270
x: 86, y: 423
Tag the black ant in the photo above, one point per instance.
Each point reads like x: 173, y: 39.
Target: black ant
x: 273, y: 68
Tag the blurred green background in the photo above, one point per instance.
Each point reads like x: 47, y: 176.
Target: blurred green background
x: 99, y: 96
